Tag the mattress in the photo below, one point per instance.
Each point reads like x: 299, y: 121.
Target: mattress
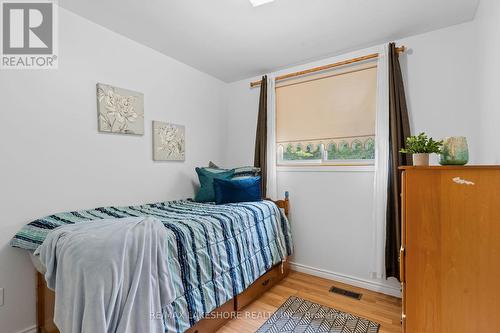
x: 37, y: 263
x: 215, y: 251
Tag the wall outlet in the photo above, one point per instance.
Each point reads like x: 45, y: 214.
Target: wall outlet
x: 1, y: 296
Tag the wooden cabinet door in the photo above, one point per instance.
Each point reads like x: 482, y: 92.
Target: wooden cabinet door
x: 452, y: 251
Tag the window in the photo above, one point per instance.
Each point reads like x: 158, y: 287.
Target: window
x: 328, y: 118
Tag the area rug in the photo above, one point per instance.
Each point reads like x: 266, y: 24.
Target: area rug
x: 299, y: 315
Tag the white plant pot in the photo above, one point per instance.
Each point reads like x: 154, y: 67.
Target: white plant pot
x: 421, y: 159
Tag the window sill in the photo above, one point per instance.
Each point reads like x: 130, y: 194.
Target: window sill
x: 325, y: 168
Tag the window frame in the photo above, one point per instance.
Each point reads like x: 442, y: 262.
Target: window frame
x: 362, y: 164
x: 324, y: 161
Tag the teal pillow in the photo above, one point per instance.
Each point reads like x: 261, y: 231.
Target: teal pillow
x: 206, y: 192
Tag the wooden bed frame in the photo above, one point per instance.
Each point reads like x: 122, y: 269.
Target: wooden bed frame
x: 216, y: 319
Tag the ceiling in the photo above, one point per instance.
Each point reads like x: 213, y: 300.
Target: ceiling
x: 232, y: 40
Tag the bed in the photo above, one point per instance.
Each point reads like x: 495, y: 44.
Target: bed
x: 247, y: 242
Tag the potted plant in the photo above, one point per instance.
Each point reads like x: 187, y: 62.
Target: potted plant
x: 421, y: 146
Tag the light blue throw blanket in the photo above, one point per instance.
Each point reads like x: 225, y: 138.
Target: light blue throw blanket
x: 109, y: 276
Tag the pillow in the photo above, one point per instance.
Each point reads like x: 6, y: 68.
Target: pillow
x: 239, y: 172
x: 206, y: 177
x: 246, y: 172
x: 213, y: 165
x: 237, y: 190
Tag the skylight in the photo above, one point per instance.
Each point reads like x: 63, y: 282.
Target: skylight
x: 256, y: 3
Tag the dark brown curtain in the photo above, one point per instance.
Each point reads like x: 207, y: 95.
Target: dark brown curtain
x: 260, y: 158
x: 399, y: 130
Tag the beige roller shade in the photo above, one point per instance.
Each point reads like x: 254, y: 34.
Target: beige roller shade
x: 336, y: 104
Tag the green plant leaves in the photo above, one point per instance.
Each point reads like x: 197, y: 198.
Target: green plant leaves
x: 421, y: 144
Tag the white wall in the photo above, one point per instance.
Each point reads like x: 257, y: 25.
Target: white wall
x: 488, y: 53
x: 53, y: 159
x: 332, y: 211
x: 441, y: 84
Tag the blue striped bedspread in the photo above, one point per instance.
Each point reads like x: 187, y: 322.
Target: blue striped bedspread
x: 215, y: 251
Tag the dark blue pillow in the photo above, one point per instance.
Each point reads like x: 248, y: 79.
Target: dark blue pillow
x: 206, y: 177
x: 237, y: 190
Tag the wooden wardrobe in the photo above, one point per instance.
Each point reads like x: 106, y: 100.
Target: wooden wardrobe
x: 450, y: 253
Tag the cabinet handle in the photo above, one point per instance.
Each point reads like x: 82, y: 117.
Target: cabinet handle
x: 266, y: 282
x: 461, y: 181
x: 402, y: 264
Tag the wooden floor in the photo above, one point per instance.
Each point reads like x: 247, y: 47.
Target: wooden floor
x: 383, y: 309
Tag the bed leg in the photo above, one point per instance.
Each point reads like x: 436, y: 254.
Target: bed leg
x: 45, y: 301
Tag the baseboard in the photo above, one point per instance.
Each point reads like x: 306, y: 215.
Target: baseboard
x: 31, y: 329
x: 354, y: 281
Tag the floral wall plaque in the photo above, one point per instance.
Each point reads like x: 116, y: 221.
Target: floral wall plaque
x: 168, y: 142
x: 120, y: 110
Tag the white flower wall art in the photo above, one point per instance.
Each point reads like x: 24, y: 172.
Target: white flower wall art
x: 120, y: 110
x: 168, y: 142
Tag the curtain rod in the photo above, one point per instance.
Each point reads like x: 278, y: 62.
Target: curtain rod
x: 400, y: 49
